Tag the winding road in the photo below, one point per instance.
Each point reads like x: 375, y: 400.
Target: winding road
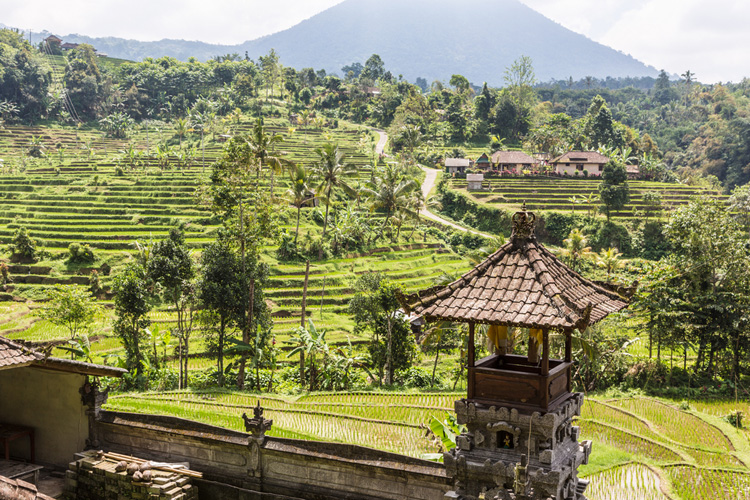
x: 430, y: 176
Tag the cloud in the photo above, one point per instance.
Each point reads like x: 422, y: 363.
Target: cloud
x: 708, y: 37
x: 218, y: 21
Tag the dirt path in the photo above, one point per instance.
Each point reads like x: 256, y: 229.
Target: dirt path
x: 430, y: 176
x: 380, y: 146
x: 429, y: 181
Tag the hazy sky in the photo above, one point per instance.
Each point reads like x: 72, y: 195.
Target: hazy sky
x: 708, y: 37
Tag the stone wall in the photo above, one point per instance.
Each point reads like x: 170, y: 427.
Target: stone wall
x: 50, y: 402
x: 237, y: 466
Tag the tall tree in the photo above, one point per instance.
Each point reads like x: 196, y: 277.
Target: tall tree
x: 613, y: 190
x: 71, y: 308
x: 300, y: 192
x: 132, y: 303
x: 171, y: 266
x: 331, y: 172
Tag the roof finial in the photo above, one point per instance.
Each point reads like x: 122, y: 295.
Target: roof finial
x: 523, y: 225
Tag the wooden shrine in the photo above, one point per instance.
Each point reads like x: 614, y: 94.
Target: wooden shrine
x: 520, y: 442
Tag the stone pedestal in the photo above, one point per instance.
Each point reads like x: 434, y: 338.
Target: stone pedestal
x: 506, y: 454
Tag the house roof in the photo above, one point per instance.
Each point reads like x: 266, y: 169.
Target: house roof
x: 511, y: 157
x: 523, y: 285
x: 482, y: 159
x: 15, y: 355
x: 581, y: 157
x: 457, y: 162
x: 53, y: 38
x: 632, y: 169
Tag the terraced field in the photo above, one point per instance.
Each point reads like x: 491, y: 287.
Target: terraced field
x: 643, y: 449
x: 554, y: 193
x: 84, y: 191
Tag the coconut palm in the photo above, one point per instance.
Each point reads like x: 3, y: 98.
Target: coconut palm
x: 262, y: 145
x: 575, y: 248
x: 609, y: 260
x: 181, y: 127
x: 391, y: 192
x: 299, y: 193
x: 331, y: 172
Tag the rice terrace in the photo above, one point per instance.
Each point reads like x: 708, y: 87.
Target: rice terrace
x: 238, y: 277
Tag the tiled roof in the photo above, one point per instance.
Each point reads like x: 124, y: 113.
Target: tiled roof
x: 456, y: 162
x: 512, y: 157
x: 522, y: 285
x: 581, y: 157
x: 14, y: 355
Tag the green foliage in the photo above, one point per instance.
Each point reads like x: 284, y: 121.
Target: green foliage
x: 24, y: 80
x: 614, y: 191
x: 70, y: 307
x: 22, y: 247
x: 132, y: 302
x: 80, y: 254
x: 447, y: 430
x: 376, y: 309
x: 117, y: 124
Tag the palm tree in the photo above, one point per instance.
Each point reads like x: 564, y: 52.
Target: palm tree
x: 181, y: 128
x: 591, y: 200
x: 391, y: 192
x: 609, y: 259
x: 575, y: 248
x: 412, y: 136
x: 331, y: 172
x: 299, y: 193
x: 262, y: 144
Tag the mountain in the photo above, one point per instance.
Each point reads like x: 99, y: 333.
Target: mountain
x: 432, y: 39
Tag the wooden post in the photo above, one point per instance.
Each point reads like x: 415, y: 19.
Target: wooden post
x: 569, y: 356
x: 533, y: 355
x: 545, y: 352
x: 470, y: 362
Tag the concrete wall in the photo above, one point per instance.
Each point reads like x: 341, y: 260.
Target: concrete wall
x: 593, y: 169
x: 50, y: 402
x: 235, y: 466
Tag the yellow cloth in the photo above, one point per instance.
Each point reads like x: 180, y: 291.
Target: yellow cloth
x: 496, y: 333
x: 537, y: 334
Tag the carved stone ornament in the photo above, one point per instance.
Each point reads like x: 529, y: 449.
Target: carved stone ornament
x: 523, y: 225
x: 258, y: 425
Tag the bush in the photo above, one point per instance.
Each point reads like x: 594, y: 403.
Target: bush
x: 119, y: 172
x: 610, y: 235
x: 22, y: 247
x: 414, y: 376
x: 734, y: 418
x: 4, y: 274
x: 78, y: 254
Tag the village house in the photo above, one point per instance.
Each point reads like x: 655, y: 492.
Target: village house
x: 69, y: 46
x: 53, y: 40
x: 457, y: 165
x: 580, y: 161
x: 483, y: 162
x: 503, y: 161
x: 47, y: 409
